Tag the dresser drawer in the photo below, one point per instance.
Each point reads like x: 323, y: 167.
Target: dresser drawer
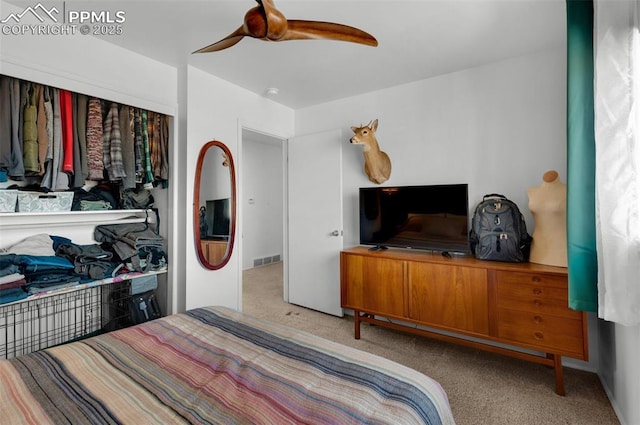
x: 542, y: 295
x: 541, y: 279
x: 553, y: 334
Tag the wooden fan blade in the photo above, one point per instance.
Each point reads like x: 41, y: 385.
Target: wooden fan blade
x: 276, y: 21
x: 306, y: 30
x: 226, y: 42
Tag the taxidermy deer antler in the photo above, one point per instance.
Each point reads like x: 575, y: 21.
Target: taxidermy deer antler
x: 268, y: 23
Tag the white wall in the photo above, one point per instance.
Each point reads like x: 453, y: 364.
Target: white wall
x: 262, y: 201
x: 217, y: 110
x: 620, y: 369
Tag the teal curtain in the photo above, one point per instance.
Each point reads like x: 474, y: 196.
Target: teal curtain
x: 581, y: 221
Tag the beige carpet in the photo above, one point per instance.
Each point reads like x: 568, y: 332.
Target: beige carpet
x: 483, y: 388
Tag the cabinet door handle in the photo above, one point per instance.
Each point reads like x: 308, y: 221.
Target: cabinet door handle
x: 537, y: 291
x: 537, y: 319
x: 538, y: 335
x: 536, y: 279
x: 537, y: 303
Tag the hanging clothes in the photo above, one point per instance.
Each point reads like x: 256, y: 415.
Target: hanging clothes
x: 128, y: 147
x: 66, y: 115
x: 57, y: 139
x: 163, y: 173
x: 78, y: 178
x: 43, y: 136
x: 81, y: 129
x: 24, y: 88
x: 95, y: 162
x: 112, y: 145
x: 48, y: 164
x: 30, y: 133
x: 139, y: 145
x: 66, y: 138
x: 154, y: 136
x: 16, y: 167
x: 156, y: 147
x: 148, y: 174
x: 5, y: 123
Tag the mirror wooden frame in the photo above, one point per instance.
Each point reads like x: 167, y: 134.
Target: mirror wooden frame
x: 196, y: 205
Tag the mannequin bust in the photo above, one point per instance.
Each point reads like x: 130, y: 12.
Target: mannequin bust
x: 548, y: 205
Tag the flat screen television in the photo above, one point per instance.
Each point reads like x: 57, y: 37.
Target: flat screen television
x: 430, y: 217
x: 218, y: 218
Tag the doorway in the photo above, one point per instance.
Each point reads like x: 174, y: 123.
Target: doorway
x: 291, y: 212
x: 262, y: 201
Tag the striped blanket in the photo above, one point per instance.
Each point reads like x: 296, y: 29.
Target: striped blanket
x: 214, y: 365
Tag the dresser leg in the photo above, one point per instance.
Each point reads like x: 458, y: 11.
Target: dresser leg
x: 356, y: 322
x: 557, y: 367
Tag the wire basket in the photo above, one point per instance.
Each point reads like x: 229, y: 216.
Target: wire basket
x: 43, y: 322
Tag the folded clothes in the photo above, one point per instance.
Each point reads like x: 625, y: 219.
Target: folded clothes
x: 72, y: 251
x: 7, y: 260
x: 15, y: 284
x: 39, y: 263
x: 10, y: 278
x: 11, y: 295
x: 127, y: 239
x: 43, y: 279
x: 8, y: 270
x: 59, y: 240
x: 90, y: 261
x: 40, y: 244
x: 94, y: 205
x: 45, y: 288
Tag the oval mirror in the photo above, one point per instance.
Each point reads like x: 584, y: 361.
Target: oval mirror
x: 214, y: 205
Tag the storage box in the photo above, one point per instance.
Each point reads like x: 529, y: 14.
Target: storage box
x: 44, y: 202
x: 8, y: 200
x: 144, y: 284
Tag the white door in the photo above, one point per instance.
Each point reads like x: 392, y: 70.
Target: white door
x: 315, y: 221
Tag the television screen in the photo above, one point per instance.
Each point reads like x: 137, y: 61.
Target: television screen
x: 218, y: 218
x: 431, y: 217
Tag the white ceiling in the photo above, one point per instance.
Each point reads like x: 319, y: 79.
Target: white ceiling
x: 417, y: 39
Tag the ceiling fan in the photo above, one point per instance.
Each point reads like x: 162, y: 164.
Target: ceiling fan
x: 268, y: 23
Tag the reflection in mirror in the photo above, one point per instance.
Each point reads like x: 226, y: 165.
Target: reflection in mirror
x: 214, y: 205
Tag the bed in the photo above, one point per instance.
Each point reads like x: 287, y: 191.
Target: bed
x: 214, y: 365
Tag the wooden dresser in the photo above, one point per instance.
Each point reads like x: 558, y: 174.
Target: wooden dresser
x: 518, y: 304
x: 214, y: 250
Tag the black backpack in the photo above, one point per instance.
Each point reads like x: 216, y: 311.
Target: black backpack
x: 144, y: 307
x: 498, y: 231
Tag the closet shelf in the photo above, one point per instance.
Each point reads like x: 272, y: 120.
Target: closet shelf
x: 26, y: 220
x: 81, y: 286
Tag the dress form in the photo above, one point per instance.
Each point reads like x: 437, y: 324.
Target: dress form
x: 548, y: 205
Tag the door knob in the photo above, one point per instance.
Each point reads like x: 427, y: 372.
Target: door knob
x: 335, y: 233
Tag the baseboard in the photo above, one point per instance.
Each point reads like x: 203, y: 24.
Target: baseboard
x: 612, y: 401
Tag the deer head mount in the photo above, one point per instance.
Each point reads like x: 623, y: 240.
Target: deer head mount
x: 377, y: 164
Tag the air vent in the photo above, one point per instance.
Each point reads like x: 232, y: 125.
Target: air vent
x: 266, y: 260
